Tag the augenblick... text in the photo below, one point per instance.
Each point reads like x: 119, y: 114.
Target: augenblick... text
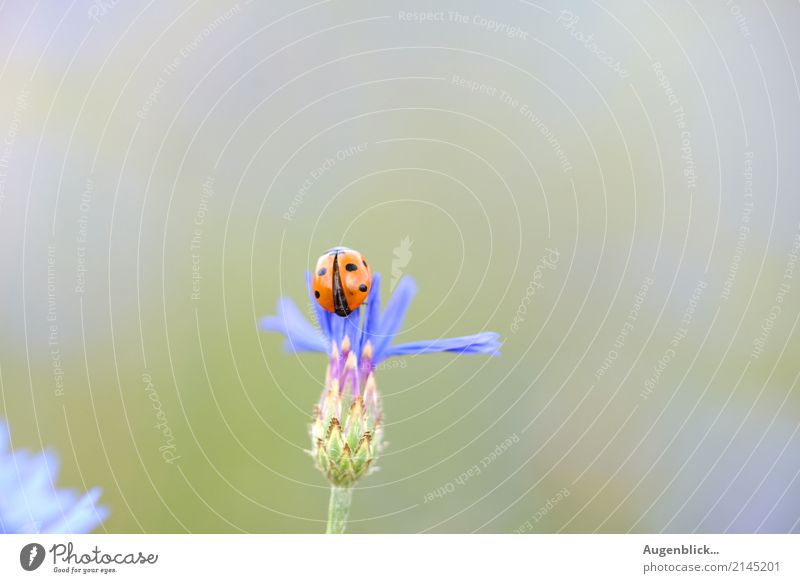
x: 681, y: 550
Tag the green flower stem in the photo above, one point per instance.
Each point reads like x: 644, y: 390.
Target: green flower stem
x: 338, y: 508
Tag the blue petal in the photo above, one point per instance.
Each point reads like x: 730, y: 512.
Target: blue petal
x: 323, y: 315
x: 337, y: 329
x: 44, y: 506
x: 29, y: 500
x: 483, y: 343
x: 44, y: 466
x: 372, y: 313
x: 392, y: 317
x: 30, y: 497
x: 82, y: 517
x: 301, y: 336
x: 352, y: 328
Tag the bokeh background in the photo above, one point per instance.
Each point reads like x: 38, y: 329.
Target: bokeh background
x: 612, y: 186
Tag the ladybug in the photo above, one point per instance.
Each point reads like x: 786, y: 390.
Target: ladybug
x: 342, y: 279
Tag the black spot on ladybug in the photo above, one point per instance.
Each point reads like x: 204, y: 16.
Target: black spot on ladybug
x: 322, y: 272
x: 316, y: 293
x: 351, y: 267
x: 364, y: 261
x: 363, y: 287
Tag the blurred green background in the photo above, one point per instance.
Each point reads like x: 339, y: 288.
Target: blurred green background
x: 610, y: 186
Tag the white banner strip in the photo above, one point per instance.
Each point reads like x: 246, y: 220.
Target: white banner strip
x: 389, y: 558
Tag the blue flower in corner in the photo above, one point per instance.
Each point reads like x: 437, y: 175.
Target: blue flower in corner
x: 30, y: 501
x: 378, y: 329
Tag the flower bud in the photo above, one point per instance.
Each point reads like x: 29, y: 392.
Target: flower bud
x: 346, y: 432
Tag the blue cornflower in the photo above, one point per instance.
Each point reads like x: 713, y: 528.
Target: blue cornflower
x: 348, y: 421
x: 379, y: 329
x: 30, y: 501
